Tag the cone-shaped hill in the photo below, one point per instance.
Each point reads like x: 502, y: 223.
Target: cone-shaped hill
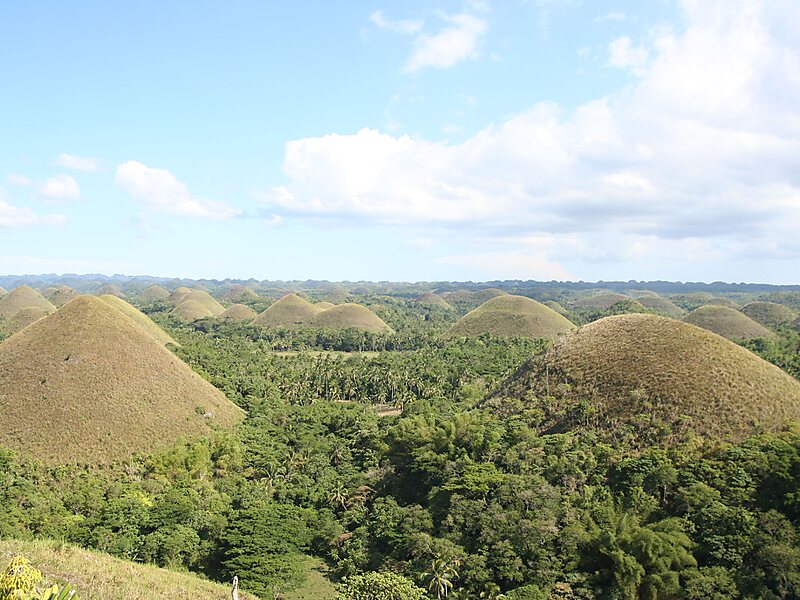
x: 511, y: 316
x: 659, y: 304
x: 552, y: 304
x: 182, y: 295
x: 430, y: 300
x: 23, y: 297
x: 153, y: 293
x: 351, y: 316
x: 289, y: 311
x: 190, y: 310
x: 25, y: 317
x: 769, y: 314
x: 87, y: 384
x: 61, y: 295
x: 727, y: 322
x: 139, y: 318
x: 324, y: 305
x: 3, y: 291
x: 109, y: 290
x: 238, y: 312
x: 629, y: 365
x: 600, y: 301
x: 467, y: 299
x: 240, y: 293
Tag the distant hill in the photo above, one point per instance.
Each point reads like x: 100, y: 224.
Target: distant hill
x: 769, y: 314
x: 23, y: 297
x: 600, y: 301
x: 627, y: 366
x: 100, y: 576
x: 190, y: 310
x: 347, y: 316
x: 153, y: 293
x: 290, y: 311
x: 466, y: 299
x: 240, y: 293
x: 552, y: 304
x: 140, y: 319
x: 432, y: 300
x: 87, y: 384
x: 661, y: 305
x: 727, y: 322
x: 24, y: 317
x: 182, y: 295
x: 61, y: 295
x: 109, y: 290
x: 511, y: 316
x: 238, y: 312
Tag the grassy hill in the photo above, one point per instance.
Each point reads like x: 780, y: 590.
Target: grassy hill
x: 153, y: 293
x: 190, y: 310
x: 240, y: 293
x: 511, y: 316
x: 769, y: 314
x: 23, y: 297
x: 430, y: 299
x: 347, y: 316
x: 109, y: 290
x: 182, y: 295
x: 600, y: 301
x: 727, y: 322
x: 24, y: 317
x: 141, y: 319
x: 99, y: 576
x: 662, y: 306
x: 238, y: 312
x: 620, y: 368
x: 3, y: 291
x: 553, y: 305
x: 466, y: 299
x: 61, y: 295
x: 88, y: 384
x: 324, y: 305
x: 289, y: 311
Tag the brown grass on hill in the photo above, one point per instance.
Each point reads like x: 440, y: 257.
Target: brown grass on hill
x: 153, y: 293
x: 179, y: 294
x: 23, y: 297
x: 200, y: 296
x: 553, y: 305
x: 430, y: 299
x: 726, y: 302
x: 468, y: 299
x: 190, y: 310
x: 727, y: 322
x: 290, y: 311
x: 61, y: 295
x: 623, y: 367
x: 238, y: 312
x: 3, y: 291
x: 355, y: 316
x: 600, y: 301
x: 87, y: 385
x: 240, y: 293
x: 324, y: 305
x: 100, y: 576
x: 141, y: 319
x: 769, y: 314
x: 334, y: 292
x: 110, y: 290
x: 25, y: 317
x: 661, y: 305
x: 511, y: 316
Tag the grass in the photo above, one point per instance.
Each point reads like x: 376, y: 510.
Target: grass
x: 22, y: 297
x: 727, y: 322
x: 182, y: 295
x: 61, y: 295
x: 88, y: 385
x: 769, y: 314
x: 622, y: 367
x: 661, y: 305
x: 317, y: 586
x: 431, y: 299
x: 141, y: 319
x: 23, y: 318
x: 600, y: 301
x: 240, y: 293
x: 154, y: 293
x: 290, y: 311
x: 109, y: 290
x: 3, y: 291
x: 190, y: 310
x: 466, y: 299
x: 347, y: 316
x: 511, y: 316
x: 334, y: 353
x: 239, y: 312
x: 553, y: 305
x: 99, y: 576
x: 324, y: 305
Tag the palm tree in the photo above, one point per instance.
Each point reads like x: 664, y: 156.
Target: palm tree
x: 441, y: 576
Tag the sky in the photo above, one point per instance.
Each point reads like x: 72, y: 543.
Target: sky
x: 418, y: 141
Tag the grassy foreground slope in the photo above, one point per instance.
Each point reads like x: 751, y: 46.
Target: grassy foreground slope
x: 99, y: 576
x: 139, y: 318
x: 88, y: 384
x: 622, y: 367
x: 511, y: 316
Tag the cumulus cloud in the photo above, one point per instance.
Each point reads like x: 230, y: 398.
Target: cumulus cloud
x: 161, y: 191
x: 705, y: 145
x: 405, y: 26
x: 459, y: 40
x: 624, y: 55
x: 79, y: 163
x: 19, y: 216
x: 60, y: 187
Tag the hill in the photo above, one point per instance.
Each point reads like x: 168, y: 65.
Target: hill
x: 238, y: 312
x: 769, y: 314
x: 61, y: 295
x: 23, y: 297
x: 553, y: 305
x: 324, y: 305
x: 100, y: 576
x: 190, y: 310
x: 200, y: 296
x: 3, y: 291
x: 659, y: 304
x: 627, y: 366
x: 430, y: 299
x: 86, y: 384
x: 351, y: 316
x: 153, y: 293
x: 25, y: 317
x: 240, y: 293
x: 141, y: 319
x: 289, y: 311
x: 600, y: 301
x: 727, y: 322
x: 109, y: 290
x: 469, y: 300
x: 511, y: 316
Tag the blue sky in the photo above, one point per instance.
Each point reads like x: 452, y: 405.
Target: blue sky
x: 531, y: 139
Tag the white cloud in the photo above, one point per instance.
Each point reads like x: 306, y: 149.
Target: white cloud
x: 613, y: 16
x: 60, y: 187
x: 405, y: 26
x: 459, y: 40
x: 161, y: 191
x: 509, y: 265
x: 79, y: 163
x: 20, y: 180
x: 705, y: 146
x: 421, y: 243
x: 624, y: 55
x: 16, y: 216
